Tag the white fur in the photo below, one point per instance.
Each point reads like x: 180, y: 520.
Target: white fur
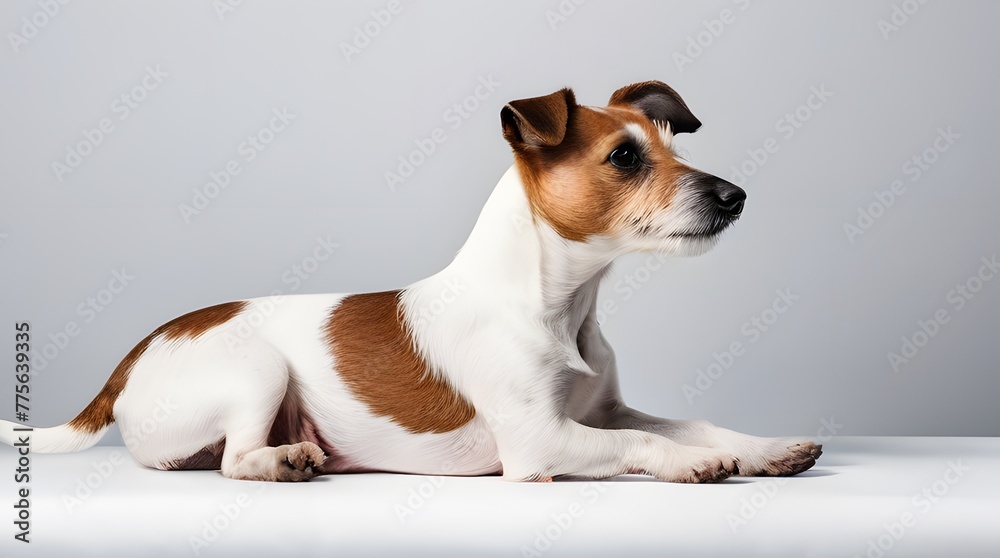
x: 666, y: 134
x: 243, y: 380
x: 638, y: 135
x: 518, y: 338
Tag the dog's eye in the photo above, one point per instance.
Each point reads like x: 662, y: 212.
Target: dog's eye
x: 625, y: 157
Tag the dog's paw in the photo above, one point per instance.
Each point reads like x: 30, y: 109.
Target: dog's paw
x: 703, y: 465
x: 301, y: 462
x: 792, y: 459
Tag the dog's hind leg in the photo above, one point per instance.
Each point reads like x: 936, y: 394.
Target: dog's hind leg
x: 248, y: 423
x: 247, y: 455
x: 290, y: 462
x: 757, y: 456
x: 219, y: 400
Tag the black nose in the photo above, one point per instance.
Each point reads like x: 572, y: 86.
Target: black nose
x: 729, y: 197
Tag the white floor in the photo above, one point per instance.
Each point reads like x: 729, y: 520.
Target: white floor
x: 868, y: 496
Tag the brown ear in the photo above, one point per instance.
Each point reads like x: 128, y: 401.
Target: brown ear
x: 539, y: 121
x: 658, y: 102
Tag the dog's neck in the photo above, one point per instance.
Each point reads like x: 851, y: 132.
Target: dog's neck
x: 521, y: 256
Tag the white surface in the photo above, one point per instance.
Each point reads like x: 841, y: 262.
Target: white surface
x: 860, y: 485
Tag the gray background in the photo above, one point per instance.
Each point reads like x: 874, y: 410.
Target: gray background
x: 823, y: 361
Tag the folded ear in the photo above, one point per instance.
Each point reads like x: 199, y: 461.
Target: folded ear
x: 539, y: 121
x: 658, y: 102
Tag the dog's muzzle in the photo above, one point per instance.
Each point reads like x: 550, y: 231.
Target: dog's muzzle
x: 717, y: 203
x: 728, y: 197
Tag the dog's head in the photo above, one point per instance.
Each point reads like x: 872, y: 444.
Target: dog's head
x: 612, y: 171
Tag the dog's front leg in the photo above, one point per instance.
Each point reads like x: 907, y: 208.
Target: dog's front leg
x: 537, y: 448
x: 757, y: 456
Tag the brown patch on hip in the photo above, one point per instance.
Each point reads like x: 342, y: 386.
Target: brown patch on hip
x: 373, y: 352
x: 99, y: 413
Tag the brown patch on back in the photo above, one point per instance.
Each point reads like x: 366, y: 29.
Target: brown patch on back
x: 578, y: 193
x: 99, y: 413
x: 194, y: 324
x: 374, y: 354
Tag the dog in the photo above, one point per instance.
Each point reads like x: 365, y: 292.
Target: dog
x: 495, y: 365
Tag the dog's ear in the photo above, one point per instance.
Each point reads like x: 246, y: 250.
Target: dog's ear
x: 658, y: 101
x: 538, y: 121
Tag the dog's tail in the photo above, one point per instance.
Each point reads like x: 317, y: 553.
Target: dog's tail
x: 57, y: 439
x: 87, y: 428
x: 78, y: 434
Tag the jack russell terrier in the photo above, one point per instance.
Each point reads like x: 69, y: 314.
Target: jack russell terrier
x: 509, y: 373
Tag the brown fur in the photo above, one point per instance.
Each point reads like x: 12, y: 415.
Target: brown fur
x: 374, y: 355
x: 658, y: 101
x: 578, y: 193
x: 208, y: 458
x: 100, y: 412
x: 795, y: 462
